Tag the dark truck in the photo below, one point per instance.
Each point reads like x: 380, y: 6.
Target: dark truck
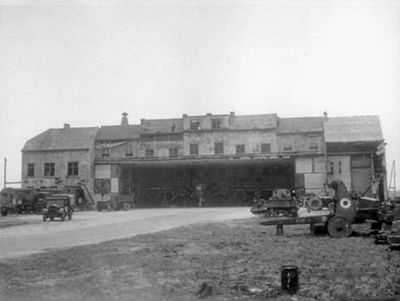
x: 59, y: 206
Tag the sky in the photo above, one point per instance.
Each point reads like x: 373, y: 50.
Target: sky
x: 86, y: 62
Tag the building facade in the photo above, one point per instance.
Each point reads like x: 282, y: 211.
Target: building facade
x: 235, y: 157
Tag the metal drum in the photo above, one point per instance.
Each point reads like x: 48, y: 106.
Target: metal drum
x: 289, y: 279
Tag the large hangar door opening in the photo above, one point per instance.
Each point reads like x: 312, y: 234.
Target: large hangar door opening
x: 226, y: 183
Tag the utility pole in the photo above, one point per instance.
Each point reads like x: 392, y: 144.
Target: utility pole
x: 5, y: 173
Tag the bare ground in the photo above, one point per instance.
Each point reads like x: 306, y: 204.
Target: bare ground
x: 240, y: 259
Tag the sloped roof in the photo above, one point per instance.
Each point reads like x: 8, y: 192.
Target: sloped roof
x: 261, y: 121
x: 118, y: 132
x: 152, y: 126
x: 62, y: 139
x: 353, y: 129
x: 300, y: 125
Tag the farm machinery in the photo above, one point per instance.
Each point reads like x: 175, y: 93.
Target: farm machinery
x: 335, y: 214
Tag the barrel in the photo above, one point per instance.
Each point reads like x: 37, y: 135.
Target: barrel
x: 289, y: 279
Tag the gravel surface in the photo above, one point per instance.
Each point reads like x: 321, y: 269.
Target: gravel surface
x: 31, y: 235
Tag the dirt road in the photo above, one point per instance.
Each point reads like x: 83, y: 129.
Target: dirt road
x: 94, y: 227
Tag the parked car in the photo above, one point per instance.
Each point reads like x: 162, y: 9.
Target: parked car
x: 59, y: 206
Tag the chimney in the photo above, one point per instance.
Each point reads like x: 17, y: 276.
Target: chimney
x: 124, y: 119
x: 67, y: 126
x: 232, y: 114
x: 325, y: 115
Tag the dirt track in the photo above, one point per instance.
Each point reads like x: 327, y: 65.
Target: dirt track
x: 93, y: 227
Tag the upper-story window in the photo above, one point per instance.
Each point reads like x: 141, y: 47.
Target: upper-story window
x: 194, y: 125
x: 219, y: 148
x: 266, y: 148
x: 105, y: 152
x: 49, y: 169
x: 193, y: 149
x: 240, y: 149
x: 149, y: 152
x: 287, y: 148
x: 313, y: 146
x: 73, y: 168
x: 128, y: 150
x: 31, y: 170
x: 173, y: 152
x: 216, y: 123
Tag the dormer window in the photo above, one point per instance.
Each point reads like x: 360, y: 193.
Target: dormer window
x: 194, y: 125
x: 216, y: 123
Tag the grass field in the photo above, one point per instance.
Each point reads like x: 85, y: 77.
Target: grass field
x: 240, y: 259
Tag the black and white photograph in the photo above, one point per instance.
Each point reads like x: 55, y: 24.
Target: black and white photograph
x: 177, y: 150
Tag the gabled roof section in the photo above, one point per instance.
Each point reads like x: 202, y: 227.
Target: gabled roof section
x: 118, y: 132
x: 261, y: 121
x: 300, y: 125
x: 153, y: 126
x: 62, y: 139
x: 353, y: 129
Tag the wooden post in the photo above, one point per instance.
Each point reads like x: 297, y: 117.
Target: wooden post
x: 279, y: 230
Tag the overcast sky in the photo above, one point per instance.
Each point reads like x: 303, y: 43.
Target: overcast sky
x: 86, y: 62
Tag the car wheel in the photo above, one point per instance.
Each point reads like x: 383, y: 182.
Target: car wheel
x: 52, y: 218
x: 339, y: 227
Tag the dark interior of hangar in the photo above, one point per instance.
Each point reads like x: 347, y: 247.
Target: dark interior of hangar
x: 224, y: 184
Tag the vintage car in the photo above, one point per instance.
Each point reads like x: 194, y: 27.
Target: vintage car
x: 59, y: 206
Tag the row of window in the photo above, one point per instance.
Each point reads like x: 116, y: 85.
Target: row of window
x: 49, y: 169
x: 218, y: 149
x: 216, y: 123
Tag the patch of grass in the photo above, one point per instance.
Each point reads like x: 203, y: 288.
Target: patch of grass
x: 240, y: 259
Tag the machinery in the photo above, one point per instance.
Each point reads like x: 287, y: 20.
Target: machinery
x: 346, y: 210
x: 281, y: 203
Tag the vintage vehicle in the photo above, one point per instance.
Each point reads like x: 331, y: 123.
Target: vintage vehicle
x: 281, y: 203
x: 59, y: 206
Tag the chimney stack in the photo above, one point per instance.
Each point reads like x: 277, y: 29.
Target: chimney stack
x: 124, y: 119
x: 67, y: 126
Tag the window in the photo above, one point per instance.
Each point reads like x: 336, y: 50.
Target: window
x: 149, y: 152
x: 331, y: 167
x: 265, y: 148
x: 287, y: 148
x: 240, y: 149
x: 173, y: 152
x: 49, y: 169
x: 73, y: 168
x: 194, y: 149
x: 340, y: 167
x: 128, y: 150
x: 313, y: 146
x: 216, y: 123
x: 219, y: 148
x: 194, y: 125
x: 31, y: 169
x: 105, y: 152
x: 102, y: 186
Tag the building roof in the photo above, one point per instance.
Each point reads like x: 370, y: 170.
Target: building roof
x: 353, y: 129
x: 152, y: 126
x: 118, y: 132
x: 300, y: 125
x: 62, y: 139
x: 261, y: 121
